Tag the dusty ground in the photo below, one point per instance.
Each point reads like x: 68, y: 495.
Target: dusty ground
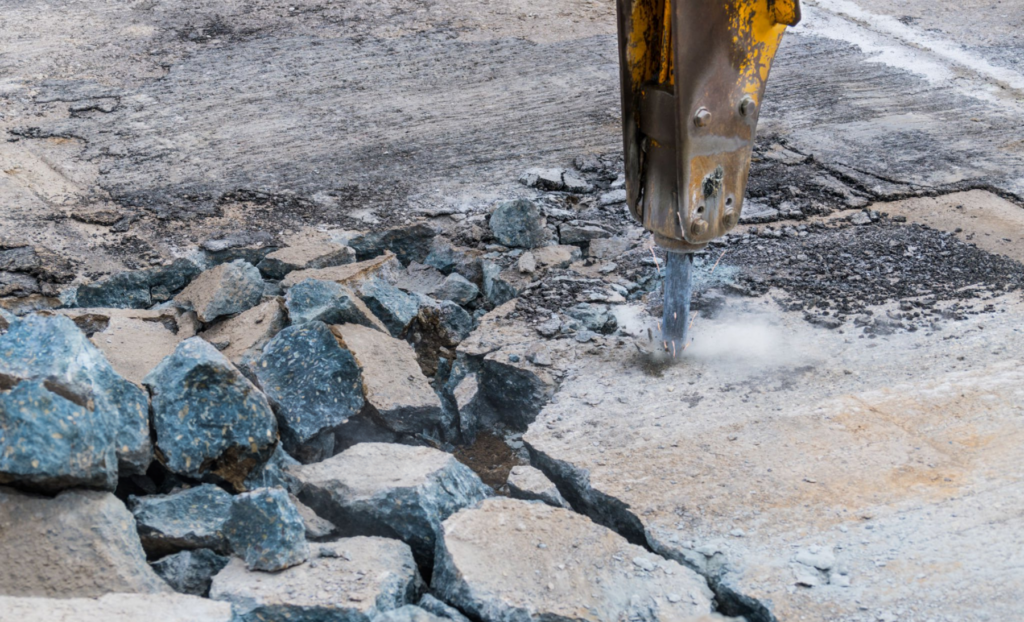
x: 134, y: 131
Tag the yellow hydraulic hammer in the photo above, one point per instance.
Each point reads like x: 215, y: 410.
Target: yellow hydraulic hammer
x: 693, y: 76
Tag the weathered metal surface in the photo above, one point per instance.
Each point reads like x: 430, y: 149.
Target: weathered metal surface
x: 693, y: 76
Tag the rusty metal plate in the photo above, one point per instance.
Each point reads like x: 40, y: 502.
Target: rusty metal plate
x: 693, y: 77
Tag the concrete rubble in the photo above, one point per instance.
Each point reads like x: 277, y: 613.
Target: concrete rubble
x: 266, y: 530
x: 190, y: 572
x: 115, y: 608
x: 530, y: 484
x: 184, y: 520
x: 224, y: 290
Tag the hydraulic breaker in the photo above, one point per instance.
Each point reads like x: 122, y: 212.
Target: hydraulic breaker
x: 693, y: 75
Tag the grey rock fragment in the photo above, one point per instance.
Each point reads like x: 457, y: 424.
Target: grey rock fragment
x: 860, y: 219
x: 486, y: 558
x: 530, y: 484
x: 328, y: 302
x: 393, y: 490
x: 207, y: 416
x: 190, y: 572
x: 53, y: 351
x: 353, y: 579
x: 6, y: 319
x: 393, y: 383
x: 409, y: 243
x: 48, y: 443
x: 519, y: 224
x: 115, y: 608
x: 613, y: 197
x: 581, y: 233
x: 594, y: 317
x: 248, y: 246
x: 558, y: 257
x: 499, y: 287
x: 224, y: 290
x: 515, y: 390
x: 408, y: 613
x: 609, y: 248
x: 266, y: 530
x: 440, y: 609
x: 317, y: 528
x: 311, y: 255
x: 351, y: 275
x: 189, y: 519
x: 527, y: 263
x: 554, y: 179
x: 314, y: 384
x: 78, y: 544
x: 138, y: 289
x: 757, y: 212
x: 419, y: 279
x: 393, y: 306
x: 457, y: 289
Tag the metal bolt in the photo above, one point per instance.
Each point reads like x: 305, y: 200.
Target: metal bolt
x: 702, y: 118
x: 747, y: 106
x: 699, y: 227
x: 731, y: 218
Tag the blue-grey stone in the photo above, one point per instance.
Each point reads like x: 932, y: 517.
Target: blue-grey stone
x: 457, y: 289
x: 314, y: 384
x: 440, y: 609
x: 409, y: 243
x: 207, y: 416
x: 497, y: 289
x: 190, y: 572
x: 189, y: 519
x: 594, y: 317
x: 280, y: 263
x: 393, y: 306
x: 224, y: 290
x: 391, y: 490
x: 138, y: 289
x: 274, y: 473
x: 266, y: 530
x: 327, y: 302
x: 54, y: 351
x: 442, y: 255
x: 48, y: 443
x: 519, y: 224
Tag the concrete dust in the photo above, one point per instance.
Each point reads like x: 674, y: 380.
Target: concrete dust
x: 748, y: 339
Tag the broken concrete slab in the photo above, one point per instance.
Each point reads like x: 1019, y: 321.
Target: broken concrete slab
x: 207, y: 417
x: 778, y: 459
x: 393, y: 384
x: 241, y: 338
x: 224, y: 290
x: 248, y: 246
x: 266, y: 530
x: 513, y: 560
x: 391, y: 490
x: 519, y: 224
x: 77, y: 544
x: 500, y: 285
x: 385, y: 267
x: 190, y: 572
x: 115, y: 608
x: 135, y: 346
x: 188, y: 519
x: 315, y: 385
x: 54, y: 351
x: 137, y: 289
x: 530, y: 484
x: 352, y: 579
x: 581, y: 233
x: 330, y: 303
x: 420, y: 279
x: 307, y: 256
x: 49, y: 443
x: 609, y: 248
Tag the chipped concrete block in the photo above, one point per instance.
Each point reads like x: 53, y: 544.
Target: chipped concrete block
x: 241, y: 338
x: 306, y: 256
x: 530, y: 484
x: 190, y: 572
x: 77, y: 544
x: 350, y: 579
x: 384, y: 267
x: 330, y: 303
x: 383, y: 488
x: 519, y: 224
x: 266, y: 530
x: 487, y: 557
x: 189, y: 519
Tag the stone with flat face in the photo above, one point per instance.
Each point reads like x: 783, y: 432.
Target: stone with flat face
x: 266, y: 530
x: 241, y: 338
x: 190, y: 572
x: 328, y: 302
x: 189, y: 519
x: 224, y: 290
x: 78, y: 544
x: 350, y: 580
x: 306, y: 256
x: 115, y: 608
x: 392, y: 490
x: 506, y: 560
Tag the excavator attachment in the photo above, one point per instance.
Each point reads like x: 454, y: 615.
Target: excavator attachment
x: 693, y: 77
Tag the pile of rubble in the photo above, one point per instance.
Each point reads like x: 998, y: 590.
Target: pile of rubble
x: 265, y: 433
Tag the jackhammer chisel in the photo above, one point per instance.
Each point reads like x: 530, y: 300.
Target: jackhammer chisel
x: 693, y: 75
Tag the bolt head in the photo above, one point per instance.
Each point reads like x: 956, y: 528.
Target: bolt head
x: 699, y: 227
x: 731, y: 218
x: 702, y: 118
x: 747, y: 106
